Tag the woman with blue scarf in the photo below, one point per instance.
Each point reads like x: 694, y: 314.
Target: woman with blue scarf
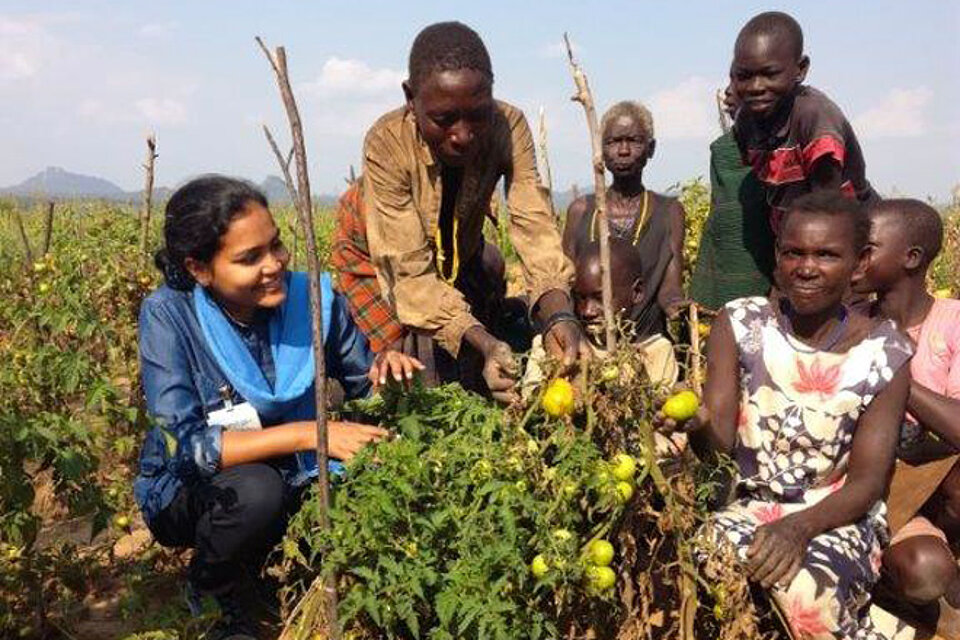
x: 228, y: 372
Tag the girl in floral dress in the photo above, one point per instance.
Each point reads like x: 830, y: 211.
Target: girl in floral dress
x: 807, y: 398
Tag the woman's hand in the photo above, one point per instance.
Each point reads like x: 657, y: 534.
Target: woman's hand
x: 777, y: 552
x: 395, y: 364
x: 345, y: 439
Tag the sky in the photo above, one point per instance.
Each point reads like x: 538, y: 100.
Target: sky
x: 83, y: 83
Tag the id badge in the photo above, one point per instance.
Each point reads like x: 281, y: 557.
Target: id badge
x: 238, y: 417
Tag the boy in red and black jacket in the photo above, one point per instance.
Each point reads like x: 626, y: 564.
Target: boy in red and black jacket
x: 795, y: 138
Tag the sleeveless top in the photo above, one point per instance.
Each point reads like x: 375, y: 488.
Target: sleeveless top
x: 650, y: 235
x: 799, y: 406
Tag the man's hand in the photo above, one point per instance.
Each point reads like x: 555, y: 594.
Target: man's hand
x: 562, y: 341
x: 499, y: 367
x: 777, y: 552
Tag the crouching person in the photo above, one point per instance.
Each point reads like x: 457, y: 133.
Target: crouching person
x: 228, y: 371
x: 807, y: 398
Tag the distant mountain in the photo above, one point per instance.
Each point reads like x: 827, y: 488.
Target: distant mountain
x: 58, y: 184
x: 54, y: 182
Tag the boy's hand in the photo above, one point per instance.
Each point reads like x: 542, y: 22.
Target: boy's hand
x: 562, y: 341
x: 392, y: 363
x: 500, y: 372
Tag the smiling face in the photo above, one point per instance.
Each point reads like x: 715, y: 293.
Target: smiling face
x: 816, y: 260
x: 247, y: 271
x: 626, y: 147
x: 453, y: 110
x: 765, y: 71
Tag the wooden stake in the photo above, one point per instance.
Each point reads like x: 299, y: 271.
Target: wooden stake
x: 547, y: 179
x: 27, y: 251
x: 278, y: 61
x: 725, y: 123
x: 351, y: 178
x: 585, y: 98
x: 147, y: 196
x: 48, y: 227
x: 695, y: 370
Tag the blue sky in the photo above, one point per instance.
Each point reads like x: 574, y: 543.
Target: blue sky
x: 82, y: 83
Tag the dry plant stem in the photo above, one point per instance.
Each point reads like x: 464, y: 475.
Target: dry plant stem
x: 696, y: 382
x: 284, y: 166
x: 547, y: 178
x: 278, y: 61
x: 27, y: 251
x: 147, y: 195
x: 48, y: 227
x: 722, y: 112
x: 585, y: 98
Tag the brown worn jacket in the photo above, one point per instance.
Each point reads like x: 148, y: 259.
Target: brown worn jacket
x: 402, y: 195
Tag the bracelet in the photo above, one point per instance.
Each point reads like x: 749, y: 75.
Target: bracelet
x: 557, y: 318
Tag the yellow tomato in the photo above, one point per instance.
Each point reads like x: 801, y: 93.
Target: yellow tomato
x: 601, y: 578
x: 681, y: 406
x: 539, y: 566
x: 624, y: 491
x: 624, y: 466
x: 600, y: 553
x: 558, y: 399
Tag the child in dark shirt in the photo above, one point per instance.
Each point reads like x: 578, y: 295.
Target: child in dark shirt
x: 795, y: 138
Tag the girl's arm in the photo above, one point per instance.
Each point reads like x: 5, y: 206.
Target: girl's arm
x: 714, y: 428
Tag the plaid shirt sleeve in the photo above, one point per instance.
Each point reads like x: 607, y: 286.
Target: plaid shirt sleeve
x: 358, y: 283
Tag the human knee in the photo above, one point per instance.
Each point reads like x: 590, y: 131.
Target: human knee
x: 921, y: 568
x: 250, y: 499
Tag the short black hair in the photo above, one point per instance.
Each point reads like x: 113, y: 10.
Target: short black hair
x: 919, y: 222
x: 833, y: 203
x: 197, y: 216
x: 447, y: 46
x: 777, y: 24
x: 624, y: 258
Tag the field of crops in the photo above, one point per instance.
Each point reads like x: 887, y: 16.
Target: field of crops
x: 472, y: 494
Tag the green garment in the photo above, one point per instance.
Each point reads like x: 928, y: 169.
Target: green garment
x: 736, y: 250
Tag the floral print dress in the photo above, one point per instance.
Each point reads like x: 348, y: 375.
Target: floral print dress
x: 798, y: 413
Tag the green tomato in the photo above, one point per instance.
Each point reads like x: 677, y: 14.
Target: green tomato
x: 624, y: 467
x: 600, y: 578
x: 624, y: 492
x: 539, y: 566
x: 121, y: 521
x: 562, y: 535
x: 600, y: 553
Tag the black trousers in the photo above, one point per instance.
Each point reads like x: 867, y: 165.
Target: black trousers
x: 232, y: 520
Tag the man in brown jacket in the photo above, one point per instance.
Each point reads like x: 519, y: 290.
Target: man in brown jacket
x: 429, y: 170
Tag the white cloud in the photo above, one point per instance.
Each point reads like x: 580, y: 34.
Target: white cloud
x: 686, y: 110
x: 901, y: 114
x: 558, y: 50
x: 340, y: 77
x: 25, y: 47
x: 162, y: 111
x: 157, y: 29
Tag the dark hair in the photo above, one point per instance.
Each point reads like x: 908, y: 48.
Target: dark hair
x: 832, y: 202
x: 920, y: 222
x: 781, y: 26
x: 625, y: 260
x: 447, y: 46
x: 197, y: 216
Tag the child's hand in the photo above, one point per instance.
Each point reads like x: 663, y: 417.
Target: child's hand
x: 392, y: 363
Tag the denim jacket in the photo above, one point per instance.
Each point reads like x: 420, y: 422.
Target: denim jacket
x: 183, y: 384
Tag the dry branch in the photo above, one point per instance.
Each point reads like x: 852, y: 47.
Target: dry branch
x: 278, y: 61
x: 695, y: 364
x: 27, y: 251
x: 284, y: 166
x: 585, y: 98
x: 48, y: 227
x: 725, y: 123
x: 147, y: 195
x: 546, y: 178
